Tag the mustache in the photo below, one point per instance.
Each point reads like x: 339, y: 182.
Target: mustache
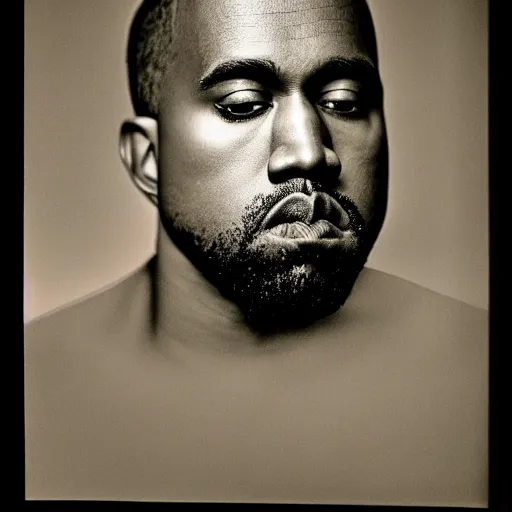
x: 261, y: 205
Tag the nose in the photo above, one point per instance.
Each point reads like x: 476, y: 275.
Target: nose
x: 301, y: 145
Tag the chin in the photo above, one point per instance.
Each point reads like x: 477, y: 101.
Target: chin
x: 283, y: 299
x: 274, y: 292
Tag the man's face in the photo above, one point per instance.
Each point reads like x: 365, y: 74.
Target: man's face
x: 272, y: 152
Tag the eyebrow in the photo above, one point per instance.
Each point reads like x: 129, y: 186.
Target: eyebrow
x: 255, y: 69
x: 360, y: 69
x: 264, y: 70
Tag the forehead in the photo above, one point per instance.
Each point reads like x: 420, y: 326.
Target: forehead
x: 292, y: 33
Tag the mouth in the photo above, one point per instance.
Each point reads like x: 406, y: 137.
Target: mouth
x: 307, y: 217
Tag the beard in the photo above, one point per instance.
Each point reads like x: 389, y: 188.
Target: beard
x: 275, y: 288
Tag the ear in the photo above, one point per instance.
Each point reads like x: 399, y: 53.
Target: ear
x: 138, y: 148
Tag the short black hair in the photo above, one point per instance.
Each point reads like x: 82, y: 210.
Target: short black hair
x: 148, y: 53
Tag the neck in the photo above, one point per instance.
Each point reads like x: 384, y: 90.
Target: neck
x: 192, y: 315
x: 190, y: 311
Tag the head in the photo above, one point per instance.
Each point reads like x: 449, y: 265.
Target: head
x: 260, y: 135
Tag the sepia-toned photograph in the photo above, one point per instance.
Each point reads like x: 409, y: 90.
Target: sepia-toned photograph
x: 256, y: 247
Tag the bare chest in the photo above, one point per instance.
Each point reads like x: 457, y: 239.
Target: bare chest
x: 335, y: 430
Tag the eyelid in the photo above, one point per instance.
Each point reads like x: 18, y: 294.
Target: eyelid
x: 246, y: 95
x: 340, y: 95
x: 243, y: 105
x: 228, y: 87
x: 344, y: 84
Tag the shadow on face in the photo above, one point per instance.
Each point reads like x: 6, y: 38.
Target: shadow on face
x: 272, y: 151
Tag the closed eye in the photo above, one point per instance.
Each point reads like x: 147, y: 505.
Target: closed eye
x: 243, y: 105
x: 342, y: 103
x: 339, y: 107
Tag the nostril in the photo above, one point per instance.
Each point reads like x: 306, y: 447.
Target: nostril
x: 332, y: 162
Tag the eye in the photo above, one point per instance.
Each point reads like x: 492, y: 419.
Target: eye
x: 243, y: 105
x: 342, y: 103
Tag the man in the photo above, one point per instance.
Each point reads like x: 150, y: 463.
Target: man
x: 254, y: 359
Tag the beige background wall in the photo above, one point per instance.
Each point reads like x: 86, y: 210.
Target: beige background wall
x: 86, y: 225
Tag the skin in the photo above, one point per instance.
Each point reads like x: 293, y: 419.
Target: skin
x: 157, y: 389
x: 300, y: 128
x: 201, y: 153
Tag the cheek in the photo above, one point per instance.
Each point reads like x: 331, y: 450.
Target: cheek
x: 210, y: 170
x: 361, y: 147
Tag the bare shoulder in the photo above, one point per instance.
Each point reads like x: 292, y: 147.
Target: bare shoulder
x: 421, y: 371
x: 70, y: 355
x: 396, y: 303
x: 74, y: 339
x: 411, y: 327
x: 92, y: 317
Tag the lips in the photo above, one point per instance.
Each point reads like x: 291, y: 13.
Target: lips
x: 307, y: 216
x: 320, y: 229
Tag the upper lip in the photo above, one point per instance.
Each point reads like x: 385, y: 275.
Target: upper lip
x: 299, y: 207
